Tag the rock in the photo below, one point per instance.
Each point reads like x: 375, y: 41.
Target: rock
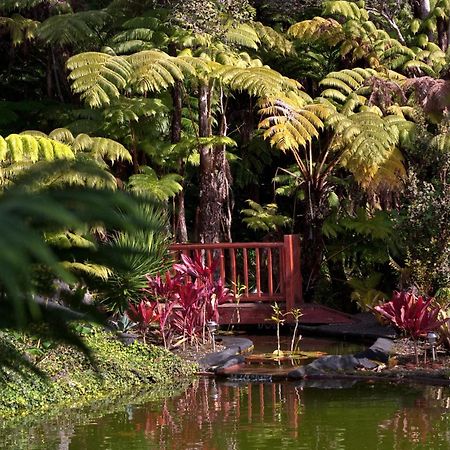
x: 379, y: 351
x: 234, y: 346
x: 326, y: 365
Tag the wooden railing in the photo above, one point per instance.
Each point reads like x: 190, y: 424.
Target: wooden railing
x: 256, y: 271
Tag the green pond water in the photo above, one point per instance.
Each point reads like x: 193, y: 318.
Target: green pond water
x: 238, y: 414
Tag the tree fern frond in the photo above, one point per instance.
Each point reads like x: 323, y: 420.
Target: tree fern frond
x: 273, y: 40
x: 366, y: 143
x: 347, y: 9
x: 19, y: 28
x: 155, y: 70
x: 98, y: 77
x: 132, y: 41
x: 105, y: 149
x: 148, y: 183
x: 68, y: 239
x: 126, y: 110
x: 290, y: 122
x: 73, y: 28
x: 26, y: 147
x: 62, y: 135
x: 318, y: 30
x: 242, y: 34
x: 257, y: 81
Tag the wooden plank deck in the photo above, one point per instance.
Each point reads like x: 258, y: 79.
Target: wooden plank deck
x: 257, y: 313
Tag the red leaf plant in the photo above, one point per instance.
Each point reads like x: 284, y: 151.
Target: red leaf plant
x: 415, y: 316
x: 189, y: 297
x: 144, y: 314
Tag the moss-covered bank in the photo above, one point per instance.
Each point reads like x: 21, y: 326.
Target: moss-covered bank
x: 72, y: 380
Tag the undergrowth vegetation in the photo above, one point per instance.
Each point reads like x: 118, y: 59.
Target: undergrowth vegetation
x: 68, y: 378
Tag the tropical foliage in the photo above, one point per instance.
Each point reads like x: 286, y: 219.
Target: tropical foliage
x: 201, y: 105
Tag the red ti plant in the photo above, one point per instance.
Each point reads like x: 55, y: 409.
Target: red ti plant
x: 190, y: 297
x: 144, y: 314
x: 415, y: 316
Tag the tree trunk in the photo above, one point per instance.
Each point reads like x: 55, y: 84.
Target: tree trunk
x: 442, y: 31
x: 214, y: 185
x: 312, y: 237
x: 180, y: 214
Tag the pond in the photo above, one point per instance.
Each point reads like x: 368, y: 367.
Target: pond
x: 239, y: 415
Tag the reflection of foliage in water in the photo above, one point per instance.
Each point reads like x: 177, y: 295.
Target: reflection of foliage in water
x: 215, y: 415
x: 415, y: 423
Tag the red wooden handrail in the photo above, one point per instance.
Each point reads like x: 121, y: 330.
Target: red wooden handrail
x: 269, y: 271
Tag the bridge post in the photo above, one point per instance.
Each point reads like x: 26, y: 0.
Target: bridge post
x: 292, y: 272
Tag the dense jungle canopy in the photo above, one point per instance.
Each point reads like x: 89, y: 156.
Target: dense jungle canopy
x: 246, y: 120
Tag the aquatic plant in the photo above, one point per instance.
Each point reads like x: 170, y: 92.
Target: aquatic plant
x: 296, y: 314
x: 278, y: 317
x: 415, y: 316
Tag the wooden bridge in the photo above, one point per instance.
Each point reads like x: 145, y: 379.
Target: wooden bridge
x: 260, y: 274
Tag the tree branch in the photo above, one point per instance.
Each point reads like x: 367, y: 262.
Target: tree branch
x: 390, y: 21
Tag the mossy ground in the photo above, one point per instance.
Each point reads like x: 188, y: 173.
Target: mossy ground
x: 71, y: 379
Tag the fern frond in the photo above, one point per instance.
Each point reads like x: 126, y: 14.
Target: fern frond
x: 257, y: 81
x: 273, y: 40
x: 132, y: 41
x: 19, y: 28
x: 317, y: 30
x: 104, y: 149
x: 243, y: 35
x: 368, y: 145
x: 264, y: 218
x: 27, y: 148
x: 290, y: 122
x: 98, y: 77
x: 73, y: 28
x: 126, y: 110
x: 148, y: 183
x: 155, y: 70
x: 346, y: 9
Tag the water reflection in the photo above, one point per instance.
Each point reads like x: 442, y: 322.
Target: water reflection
x: 239, y: 415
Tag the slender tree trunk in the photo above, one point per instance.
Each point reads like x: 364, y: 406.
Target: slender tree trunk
x: 213, y: 224
x: 312, y: 237
x: 180, y: 215
x: 442, y: 31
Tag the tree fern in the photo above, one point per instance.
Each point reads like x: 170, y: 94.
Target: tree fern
x: 365, y: 142
x: 318, y: 30
x: 292, y: 120
x: 243, y: 35
x: 264, y: 217
x: 346, y: 9
x: 25, y: 147
x: 73, y: 28
x: 98, y: 77
x: 158, y: 188
x: 19, y: 28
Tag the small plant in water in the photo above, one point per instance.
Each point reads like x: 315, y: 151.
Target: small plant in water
x: 278, y: 317
x: 296, y: 314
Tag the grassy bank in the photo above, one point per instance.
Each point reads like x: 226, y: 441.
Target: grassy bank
x: 70, y: 379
